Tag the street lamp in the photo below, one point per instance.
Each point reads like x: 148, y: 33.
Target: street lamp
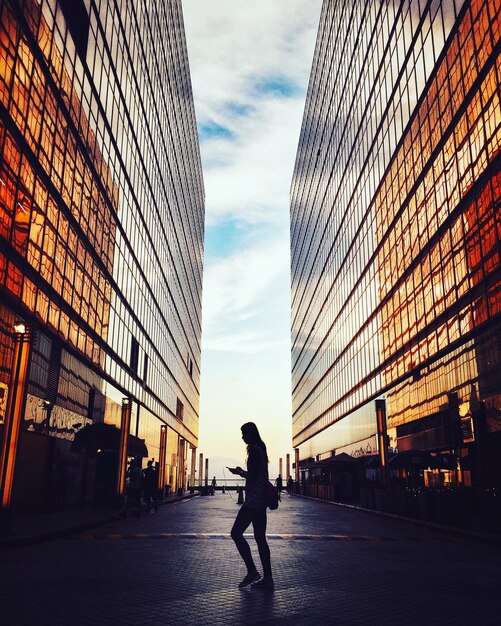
x: 122, y: 450
x: 162, y: 457
x: 20, y: 327
x: 13, y: 417
x: 382, y: 436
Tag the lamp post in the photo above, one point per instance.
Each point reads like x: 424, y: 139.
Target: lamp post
x: 13, y: 417
x: 192, y: 468
x: 382, y: 436
x: 296, y: 468
x: 122, y: 449
x: 181, y: 467
x: 161, y: 460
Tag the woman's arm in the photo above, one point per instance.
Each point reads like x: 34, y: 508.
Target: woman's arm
x: 256, y: 463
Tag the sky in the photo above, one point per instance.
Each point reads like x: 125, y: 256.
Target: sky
x: 250, y: 64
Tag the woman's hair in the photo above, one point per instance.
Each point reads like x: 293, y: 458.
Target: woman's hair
x: 249, y: 429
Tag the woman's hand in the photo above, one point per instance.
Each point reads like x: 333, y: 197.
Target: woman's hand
x: 238, y: 470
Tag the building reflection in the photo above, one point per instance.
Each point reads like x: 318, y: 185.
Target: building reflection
x: 101, y: 226
x: 396, y: 277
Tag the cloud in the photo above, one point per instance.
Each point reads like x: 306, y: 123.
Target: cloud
x: 249, y: 178
x: 250, y: 64
x: 243, y: 293
x: 232, y: 43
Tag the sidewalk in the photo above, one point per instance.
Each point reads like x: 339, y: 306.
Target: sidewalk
x: 332, y: 565
x: 34, y: 529
x: 27, y: 530
x: 473, y: 535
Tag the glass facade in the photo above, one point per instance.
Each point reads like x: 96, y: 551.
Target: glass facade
x: 395, y: 233
x: 101, y: 218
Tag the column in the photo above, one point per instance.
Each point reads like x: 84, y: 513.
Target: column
x: 162, y: 455
x: 182, y: 463
x: 287, y: 466
x: 382, y: 439
x: 122, y: 447
x: 192, y: 469
x: 14, y: 412
x: 200, y: 470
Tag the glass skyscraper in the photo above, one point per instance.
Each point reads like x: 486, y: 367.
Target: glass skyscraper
x: 395, y: 235
x: 101, y: 241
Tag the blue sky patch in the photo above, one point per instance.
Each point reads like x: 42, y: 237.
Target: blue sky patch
x: 240, y: 110
x: 223, y: 238
x: 211, y: 130
x: 278, y: 86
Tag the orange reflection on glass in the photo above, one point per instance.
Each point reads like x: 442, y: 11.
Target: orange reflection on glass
x: 35, y: 110
x: 29, y: 294
x: 42, y: 306
x: 3, y: 268
x: 54, y: 314
x: 8, y: 39
x: 14, y: 280
x: 7, y: 196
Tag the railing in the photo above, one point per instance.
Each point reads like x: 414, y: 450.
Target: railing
x: 466, y: 507
x: 224, y: 484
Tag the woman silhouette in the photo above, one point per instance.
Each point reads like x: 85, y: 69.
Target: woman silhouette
x: 254, y: 509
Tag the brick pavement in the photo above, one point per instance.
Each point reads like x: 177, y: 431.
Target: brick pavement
x: 332, y: 565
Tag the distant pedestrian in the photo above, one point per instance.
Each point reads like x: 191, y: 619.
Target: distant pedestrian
x: 133, y: 484
x: 253, y: 509
x: 214, y: 483
x: 150, y: 480
x: 279, y: 484
x: 240, y: 493
x: 290, y: 486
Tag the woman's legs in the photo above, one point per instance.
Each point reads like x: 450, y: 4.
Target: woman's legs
x: 259, y: 524
x: 242, y: 522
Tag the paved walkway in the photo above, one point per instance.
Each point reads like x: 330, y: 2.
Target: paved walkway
x: 332, y: 565
x: 37, y: 528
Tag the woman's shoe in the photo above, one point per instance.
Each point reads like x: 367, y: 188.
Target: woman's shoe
x: 265, y: 583
x: 251, y: 577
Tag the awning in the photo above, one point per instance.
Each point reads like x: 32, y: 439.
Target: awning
x: 136, y: 447
x: 413, y: 459
x: 373, y: 461
x: 337, y: 459
x: 101, y: 436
